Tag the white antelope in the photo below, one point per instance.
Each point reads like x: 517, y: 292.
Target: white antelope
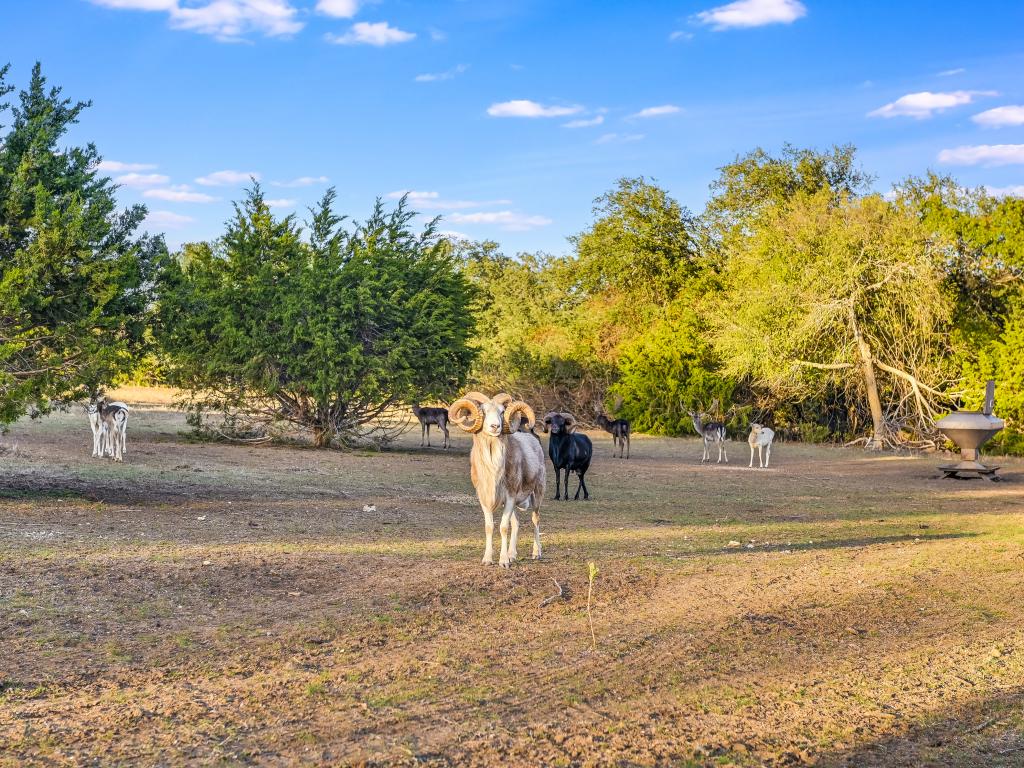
x: 712, y: 432
x: 109, y: 422
x: 761, y: 438
x: 506, y: 466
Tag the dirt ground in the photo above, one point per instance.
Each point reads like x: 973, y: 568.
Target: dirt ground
x: 215, y: 604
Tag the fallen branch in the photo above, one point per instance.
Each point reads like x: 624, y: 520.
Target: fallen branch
x: 984, y: 725
x: 548, y: 600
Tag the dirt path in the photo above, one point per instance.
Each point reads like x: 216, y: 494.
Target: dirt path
x: 206, y: 603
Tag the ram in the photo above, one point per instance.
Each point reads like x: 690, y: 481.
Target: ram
x: 568, y: 451
x: 505, y: 465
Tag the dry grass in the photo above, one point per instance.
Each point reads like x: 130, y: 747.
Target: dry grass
x: 207, y: 603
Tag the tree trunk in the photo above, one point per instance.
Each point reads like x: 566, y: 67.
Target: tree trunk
x: 867, y: 364
x: 322, y: 436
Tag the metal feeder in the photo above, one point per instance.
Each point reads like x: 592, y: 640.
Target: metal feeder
x: 970, y: 430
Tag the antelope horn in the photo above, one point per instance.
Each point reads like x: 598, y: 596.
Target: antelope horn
x: 518, y: 407
x: 467, y: 414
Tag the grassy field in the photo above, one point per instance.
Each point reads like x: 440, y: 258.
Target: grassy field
x: 218, y: 604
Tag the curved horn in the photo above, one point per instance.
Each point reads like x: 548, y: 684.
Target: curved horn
x: 479, y: 397
x: 503, y: 399
x: 515, y: 409
x: 547, y: 419
x: 570, y: 420
x: 467, y: 414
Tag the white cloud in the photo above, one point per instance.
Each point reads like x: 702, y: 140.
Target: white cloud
x: 438, y: 35
x: 507, y: 220
x: 984, y: 154
x: 167, y: 219
x: 446, y: 75
x: 138, y: 5
x: 925, y: 104
x: 1016, y: 190
x: 585, y: 122
x: 752, y: 13
x: 431, y: 200
x: 281, y: 202
x: 527, y: 108
x: 680, y: 34
x: 301, y: 181
x: 951, y: 72
x: 664, y: 109
x: 227, y: 178
x: 179, y: 194
x: 230, y: 20
x: 141, y: 179
x: 413, y: 194
x: 378, y: 33
x: 451, y: 234
x: 227, y: 20
x: 1001, y: 116
x: 339, y: 9
x: 618, y: 138
x: 115, y: 166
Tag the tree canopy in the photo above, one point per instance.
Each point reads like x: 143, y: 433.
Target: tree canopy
x: 75, y: 278
x: 327, y: 333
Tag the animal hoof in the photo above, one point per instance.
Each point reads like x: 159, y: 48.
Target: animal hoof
x: 504, y: 563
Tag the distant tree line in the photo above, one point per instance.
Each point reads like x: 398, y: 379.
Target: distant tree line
x: 798, y: 298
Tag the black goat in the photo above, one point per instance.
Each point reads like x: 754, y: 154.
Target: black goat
x: 428, y: 416
x: 568, y: 451
x: 619, y: 429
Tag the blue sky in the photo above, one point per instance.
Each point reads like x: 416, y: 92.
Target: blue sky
x: 508, y: 117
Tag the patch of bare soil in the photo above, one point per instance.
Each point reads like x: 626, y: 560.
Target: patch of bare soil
x: 207, y: 603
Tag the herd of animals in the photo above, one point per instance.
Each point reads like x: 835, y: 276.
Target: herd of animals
x: 507, y: 465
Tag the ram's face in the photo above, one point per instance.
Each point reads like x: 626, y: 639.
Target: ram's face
x: 555, y: 424
x: 493, y: 418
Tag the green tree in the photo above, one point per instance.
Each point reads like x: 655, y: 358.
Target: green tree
x: 74, y: 277
x: 848, y: 292
x: 640, y: 247
x: 326, y: 334
x: 758, y: 182
x: 668, y: 371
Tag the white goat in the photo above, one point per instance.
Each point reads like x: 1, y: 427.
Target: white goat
x: 506, y: 467
x: 761, y: 438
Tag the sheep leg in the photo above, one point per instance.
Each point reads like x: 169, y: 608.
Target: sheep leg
x: 627, y: 446
x: 752, y: 455
x: 583, y: 485
x: 513, y: 546
x: 536, y: 531
x: 423, y: 433
x: 558, y: 484
x: 506, y: 518
x: 768, y: 455
x: 489, y: 533
x: 447, y: 437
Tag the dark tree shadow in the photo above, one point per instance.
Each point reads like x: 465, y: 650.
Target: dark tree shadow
x: 985, y: 732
